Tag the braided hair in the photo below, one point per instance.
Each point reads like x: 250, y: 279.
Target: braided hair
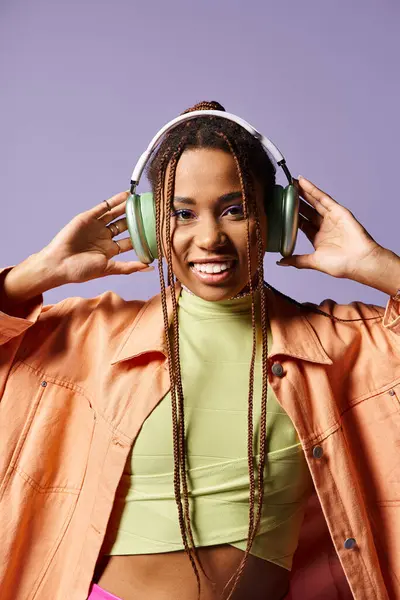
x: 253, y: 164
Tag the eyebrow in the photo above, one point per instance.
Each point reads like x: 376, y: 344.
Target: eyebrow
x: 222, y: 199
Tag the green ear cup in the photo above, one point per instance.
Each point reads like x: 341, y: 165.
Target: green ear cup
x: 141, y: 222
x: 283, y: 217
x: 275, y: 220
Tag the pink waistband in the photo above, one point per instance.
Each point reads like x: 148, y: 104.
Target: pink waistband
x: 97, y: 593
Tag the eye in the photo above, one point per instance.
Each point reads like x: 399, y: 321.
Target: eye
x: 182, y: 214
x: 235, y: 211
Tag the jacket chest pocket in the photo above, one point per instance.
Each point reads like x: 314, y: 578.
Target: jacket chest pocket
x: 372, y: 430
x: 49, y: 426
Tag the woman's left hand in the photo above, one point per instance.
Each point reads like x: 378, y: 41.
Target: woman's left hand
x: 341, y: 244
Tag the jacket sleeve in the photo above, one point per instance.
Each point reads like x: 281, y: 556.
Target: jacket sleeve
x: 391, y: 319
x: 12, y: 326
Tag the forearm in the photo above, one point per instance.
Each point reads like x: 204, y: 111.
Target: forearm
x: 381, y: 270
x: 29, y: 279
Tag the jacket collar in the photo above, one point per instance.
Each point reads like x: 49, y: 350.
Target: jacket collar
x: 292, y: 334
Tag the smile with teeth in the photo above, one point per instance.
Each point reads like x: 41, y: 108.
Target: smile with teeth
x: 212, y: 267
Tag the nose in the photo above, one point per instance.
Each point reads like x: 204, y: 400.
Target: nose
x: 210, y: 234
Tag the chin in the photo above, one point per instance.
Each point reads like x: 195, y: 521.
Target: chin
x: 212, y: 293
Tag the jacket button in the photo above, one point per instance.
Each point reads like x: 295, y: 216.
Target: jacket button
x: 277, y: 369
x: 350, y: 543
x: 317, y: 451
x: 44, y: 383
x: 391, y: 392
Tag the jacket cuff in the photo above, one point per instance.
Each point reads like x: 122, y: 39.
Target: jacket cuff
x: 12, y: 326
x: 391, y: 318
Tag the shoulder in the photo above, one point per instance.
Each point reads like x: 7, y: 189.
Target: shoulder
x: 108, y: 303
x: 88, y: 326
x: 328, y: 311
x: 108, y: 311
x: 347, y: 323
x: 339, y: 328
x: 354, y: 312
x: 354, y: 329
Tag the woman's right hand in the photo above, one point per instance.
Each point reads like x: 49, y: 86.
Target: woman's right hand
x: 83, y: 250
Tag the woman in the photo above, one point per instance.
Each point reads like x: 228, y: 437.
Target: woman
x: 84, y: 381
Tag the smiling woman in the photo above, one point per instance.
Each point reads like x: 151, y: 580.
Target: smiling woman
x: 262, y: 392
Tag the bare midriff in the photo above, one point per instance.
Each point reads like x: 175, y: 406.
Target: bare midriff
x: 170, y: 576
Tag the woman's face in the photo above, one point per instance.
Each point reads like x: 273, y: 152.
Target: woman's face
x: 208, y: 229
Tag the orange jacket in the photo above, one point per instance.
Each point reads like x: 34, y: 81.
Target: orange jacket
x: 77, y: 380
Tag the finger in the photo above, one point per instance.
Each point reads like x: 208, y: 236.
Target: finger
x: 310, y: 213
x: 309, y: 230
x: 121, y: 246
x: 117, y: 227
x: 128, y: 267
x: 107, y: 205
x: 316, y: 197
x: 299, y: 261
x: 113, y: 214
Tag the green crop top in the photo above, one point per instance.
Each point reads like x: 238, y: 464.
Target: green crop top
x: 215, y: 350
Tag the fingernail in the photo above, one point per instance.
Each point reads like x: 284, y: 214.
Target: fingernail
x: 282, y: 264
x: 298, y: 176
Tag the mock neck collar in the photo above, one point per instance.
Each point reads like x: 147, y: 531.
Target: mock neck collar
x: 292, y: 334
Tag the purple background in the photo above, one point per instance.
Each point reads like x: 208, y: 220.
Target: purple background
x: 86, y: 84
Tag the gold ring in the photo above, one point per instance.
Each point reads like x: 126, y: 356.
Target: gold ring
x: 116, y: 227
x: 108, y: 206
x: 109, y: 227
x: 119, y: 247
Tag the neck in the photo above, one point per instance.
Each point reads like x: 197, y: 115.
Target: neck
x: 245, y: 292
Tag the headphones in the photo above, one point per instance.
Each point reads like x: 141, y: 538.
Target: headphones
x: 282, y: 210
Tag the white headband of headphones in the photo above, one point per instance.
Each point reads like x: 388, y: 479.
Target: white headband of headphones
x: 268, y: 145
